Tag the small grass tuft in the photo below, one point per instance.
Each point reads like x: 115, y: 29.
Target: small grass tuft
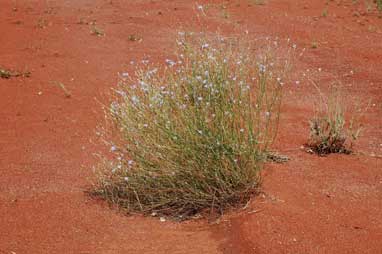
x: 42, y: 23
x: 379, y: 5
x: 324, y: 12
x: 96, y: 30
x: 330, y: 130
x: 193, y: 136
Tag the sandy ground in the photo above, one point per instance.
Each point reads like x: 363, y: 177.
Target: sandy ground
x: 310, y: 205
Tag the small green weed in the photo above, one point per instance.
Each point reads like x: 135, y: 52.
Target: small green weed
x: 194, y: 135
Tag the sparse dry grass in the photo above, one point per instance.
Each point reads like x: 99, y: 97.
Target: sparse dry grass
x: 332, y: 130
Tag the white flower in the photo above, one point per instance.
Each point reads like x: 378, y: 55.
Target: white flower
x: 144, y: 86
x: 113, y: 148
x: 297, y: 82
x: 114, y: 107
x: 267, y: 113
x: 205, y: 45
x: 279, y: 81
x: 262, y: 68
x: 200, y: 132
x: 170, y: 62
x: 145, y: 125
x: 151, y: 72
x: 241, y: 130
x: 134, y: 99
x: 126, y: 178
x: 130, y: 162
x: 125, y: 74
x: 200, y: 98
x: 122, y: 93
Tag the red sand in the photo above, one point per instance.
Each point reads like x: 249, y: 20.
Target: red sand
x: 310, y: 204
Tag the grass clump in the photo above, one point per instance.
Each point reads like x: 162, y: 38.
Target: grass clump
x: 379, y: 5
x: 330, y: 130
x: 192, y: 136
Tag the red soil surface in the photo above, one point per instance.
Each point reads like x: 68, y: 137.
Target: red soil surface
x: 310, y: 204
